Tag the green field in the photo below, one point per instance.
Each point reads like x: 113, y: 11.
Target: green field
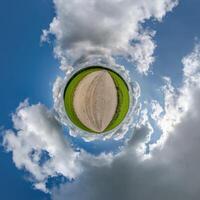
x: 122, y: 91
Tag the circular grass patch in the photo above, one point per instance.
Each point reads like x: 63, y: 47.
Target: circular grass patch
x: 122, y: 95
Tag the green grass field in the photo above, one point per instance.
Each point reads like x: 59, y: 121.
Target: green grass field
x: 122, y: 92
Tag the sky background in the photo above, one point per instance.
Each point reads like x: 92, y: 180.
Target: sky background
x: 28, y: 70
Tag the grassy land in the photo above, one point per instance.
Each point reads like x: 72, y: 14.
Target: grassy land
x: 122, y: 91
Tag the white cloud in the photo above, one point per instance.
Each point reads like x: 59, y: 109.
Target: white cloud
x: 177, y: 101
x: 107, y: 28
x: 171, y: 172
x: 37, y: 132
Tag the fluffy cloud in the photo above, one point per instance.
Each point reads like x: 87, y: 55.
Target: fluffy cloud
x: 178, y: 101
x: 38, y: 145
x: 107, y: 28
x: 170, y: 171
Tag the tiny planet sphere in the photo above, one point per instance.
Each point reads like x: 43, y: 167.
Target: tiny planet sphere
x: 96, y: 99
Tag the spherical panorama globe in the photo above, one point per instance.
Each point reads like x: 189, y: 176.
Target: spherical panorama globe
x: 96, y: 99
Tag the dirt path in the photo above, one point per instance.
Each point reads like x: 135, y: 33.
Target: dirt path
x: 95, y: 100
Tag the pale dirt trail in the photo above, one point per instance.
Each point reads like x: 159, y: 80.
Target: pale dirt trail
x: 95, y: 100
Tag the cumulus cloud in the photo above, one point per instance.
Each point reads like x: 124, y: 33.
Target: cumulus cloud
x: 38, y: 145
x: 170, y: 171
x: 177, y: 101
x: 107, y: 28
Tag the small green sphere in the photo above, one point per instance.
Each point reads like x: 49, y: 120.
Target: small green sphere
x: 96, y: 99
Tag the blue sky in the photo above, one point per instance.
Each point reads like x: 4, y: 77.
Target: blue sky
x: 28, y: 70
